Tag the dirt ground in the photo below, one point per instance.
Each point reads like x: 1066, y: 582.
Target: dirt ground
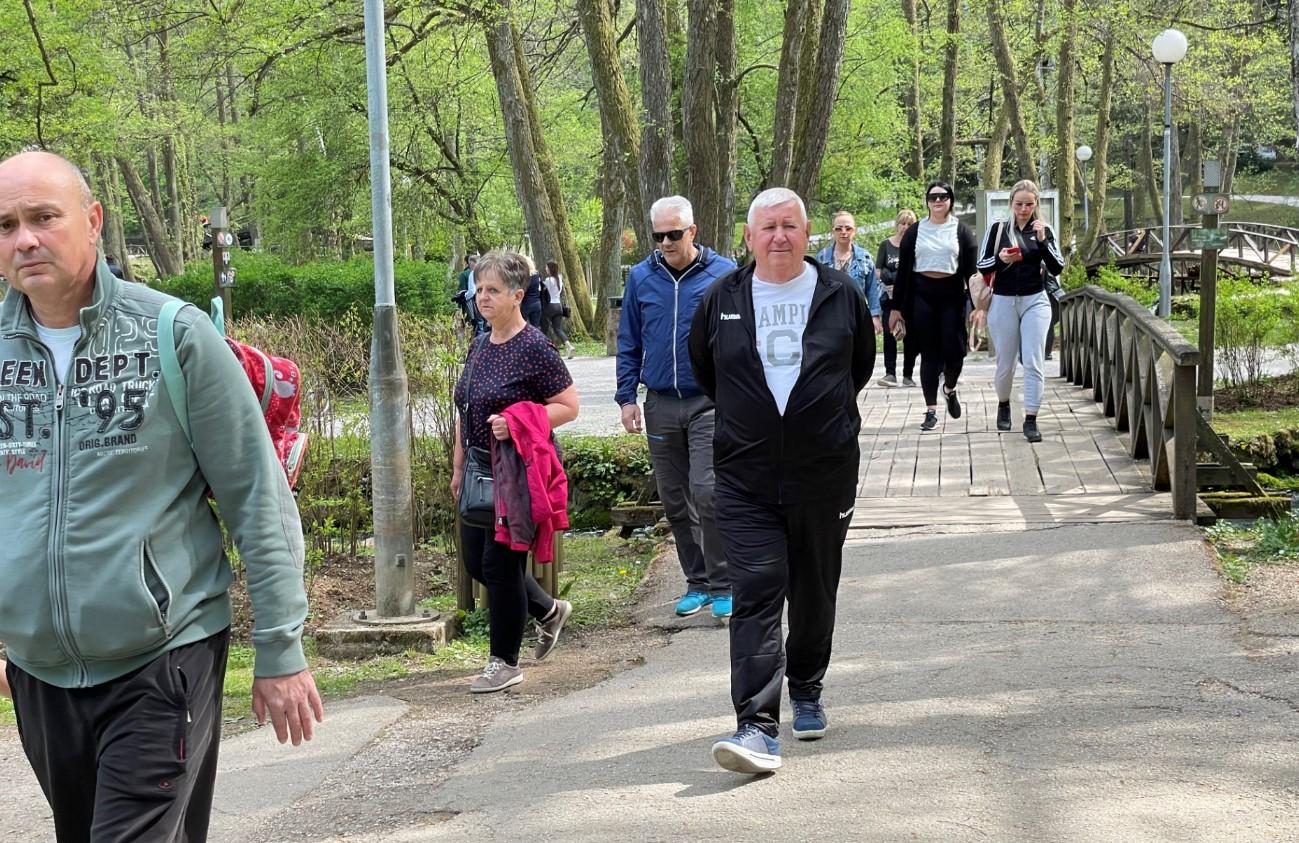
x: 1279, y: 393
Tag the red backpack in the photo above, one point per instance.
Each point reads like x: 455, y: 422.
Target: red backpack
x: 275, y: 381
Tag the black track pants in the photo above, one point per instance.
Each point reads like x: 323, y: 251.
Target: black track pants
x: 133, y: 759
x: 777, y: 552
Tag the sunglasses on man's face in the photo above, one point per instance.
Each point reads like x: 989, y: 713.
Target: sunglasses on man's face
x: 938, y: 197
x: 674, y: 235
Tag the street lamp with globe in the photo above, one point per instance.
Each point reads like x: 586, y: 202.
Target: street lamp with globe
x: 1168, y: 48
x: 1084, y: 154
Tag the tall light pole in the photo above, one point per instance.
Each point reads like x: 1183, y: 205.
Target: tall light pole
x: 1168, y: 48
x: 1084, y: 154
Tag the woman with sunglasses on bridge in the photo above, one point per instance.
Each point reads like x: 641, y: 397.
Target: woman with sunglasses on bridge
x: 1019, y: 251
x: 935, y: 258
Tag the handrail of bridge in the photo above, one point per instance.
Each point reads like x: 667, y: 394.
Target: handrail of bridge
x: 1264, y: 241
x: 1142, y: 372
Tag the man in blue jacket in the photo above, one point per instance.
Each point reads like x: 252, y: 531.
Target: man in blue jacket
x: 658, y: 304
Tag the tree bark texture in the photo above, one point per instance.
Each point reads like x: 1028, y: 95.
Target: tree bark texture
x: 699, y: 119
x: 109, y: 195
x: 1228, y: 154
x: 606, y: 262
x: 1010, y: 90
x: 728, y: 97
x: 1147, y: 164
x: 569, y: 259
x: 782, y: 131
x: 951, y: 57
x: 655, y: 163
x: 911, y: 99
x: 995, y: 157
x: 1065, y: 164
x: 1294, y: 63
x: 1101, y: 156
x: 615, y: 105
x: 813, y: 120
x: 1175, y: 216
x: 160, y: 245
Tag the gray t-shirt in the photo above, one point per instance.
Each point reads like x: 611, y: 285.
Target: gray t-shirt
x: 779, y: 318
x: 937, y: 247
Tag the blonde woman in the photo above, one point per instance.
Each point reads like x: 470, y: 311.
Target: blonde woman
x: 890, y: 253
x: 1018, y: 250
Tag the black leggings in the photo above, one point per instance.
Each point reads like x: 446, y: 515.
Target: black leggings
x: 938, y: 322
x: 910, y: 350
x: 512, y: 593
x: 553, y: 319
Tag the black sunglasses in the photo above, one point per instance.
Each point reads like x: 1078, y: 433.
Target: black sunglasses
x: 674, y: 235
x: 938, y: 197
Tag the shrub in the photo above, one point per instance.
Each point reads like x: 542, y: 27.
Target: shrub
x: 603, y: 471
x: 1249, y: 319
x: 1109, y: 278
x: 268, y: 286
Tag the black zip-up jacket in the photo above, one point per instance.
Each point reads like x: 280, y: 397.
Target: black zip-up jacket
x: 811, y: 452
x: 1023, y: 278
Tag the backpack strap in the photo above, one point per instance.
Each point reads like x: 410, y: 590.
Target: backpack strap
x: 219, y: 315
x: 268, y: 385
x: 173, y: 377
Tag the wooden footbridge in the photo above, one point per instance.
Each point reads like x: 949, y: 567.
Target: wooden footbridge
x: 1122, y: 435
x: 1254, y: 248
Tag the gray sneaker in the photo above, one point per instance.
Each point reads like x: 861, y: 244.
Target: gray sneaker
x: 908, y: 382
x: 548, y: 632
x: 888, y: 380
x: 497, y: 676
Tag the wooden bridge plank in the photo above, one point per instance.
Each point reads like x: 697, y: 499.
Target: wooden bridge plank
x: 928, y: 462
x: 954, y: 466
x: 1021, y: 465
x: 987, y: 466
x: 877, y: 464
x: 1059, y: 477
x: 902, y: 469
x: 1092, y: 471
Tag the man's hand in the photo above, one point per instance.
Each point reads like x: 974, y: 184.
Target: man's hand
x: 879, y: 324
x: 4, y: 681
x: 291, y: 701
x: 631, y: 417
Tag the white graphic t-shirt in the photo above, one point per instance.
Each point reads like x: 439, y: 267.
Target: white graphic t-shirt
x: 60, y: 342
x: 779, y: 317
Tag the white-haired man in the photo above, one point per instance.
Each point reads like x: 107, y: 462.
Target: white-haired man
x: 782, y: 346
x: 658, y: 305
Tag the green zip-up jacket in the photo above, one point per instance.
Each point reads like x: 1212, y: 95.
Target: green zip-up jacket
x: 110, y: 554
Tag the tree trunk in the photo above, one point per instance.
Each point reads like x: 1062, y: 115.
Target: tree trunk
x: 1194, y: 159
x: 813, y: 122
x: 528, y: 185
x: 1101, y: 156
x: 911, y: 99
x: 728, y: 97
x: 1228, y: 154
x: 110, y: 197
x: 1294, y: 63
x: 656, y: 105
x: 951, y: 55
x: 699, y: 117
x: 1064, y: 125
x: 163, y: 257
x: 1147, y: 164
x: 782, y: 132
x: 995, y: 158
x: 1175, y: 215
x: 570, y: 261
x: 615, y: 104
x: 677, y: 57
x: 606, y: 262
x: 1010, y: 90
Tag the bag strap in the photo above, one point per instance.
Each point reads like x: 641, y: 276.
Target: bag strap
x: 219, y: 315
x: 173, y: 377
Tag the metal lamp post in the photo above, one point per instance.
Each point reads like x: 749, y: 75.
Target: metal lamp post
x: 1084, y: 154
x: 1168, y: 48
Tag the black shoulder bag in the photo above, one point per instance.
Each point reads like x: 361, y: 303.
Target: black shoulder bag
x: 477, y: 504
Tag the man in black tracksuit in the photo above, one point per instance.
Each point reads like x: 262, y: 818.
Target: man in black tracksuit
x: 782, y: 346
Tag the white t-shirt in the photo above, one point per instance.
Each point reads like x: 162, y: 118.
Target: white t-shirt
x: 60, y: 342
x: 779, y: 318
x: 937, y: 248
x: 553, y: 286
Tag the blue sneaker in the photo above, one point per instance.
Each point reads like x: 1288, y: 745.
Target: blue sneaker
x: 809, y: 719
x: 692, y: 602
x: 722, y: 607
x: 749, y: 750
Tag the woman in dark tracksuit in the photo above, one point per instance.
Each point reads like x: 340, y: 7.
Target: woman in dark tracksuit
x: 938, y: 255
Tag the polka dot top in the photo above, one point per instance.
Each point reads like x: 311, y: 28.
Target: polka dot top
x: 526, y: 367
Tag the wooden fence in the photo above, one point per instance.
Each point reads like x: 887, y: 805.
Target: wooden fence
x: 1143, y: 373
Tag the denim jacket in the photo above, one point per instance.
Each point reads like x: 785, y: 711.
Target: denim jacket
x: 861, y: 269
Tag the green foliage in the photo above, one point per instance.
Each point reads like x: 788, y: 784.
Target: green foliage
x: 1266, y: 542
x: 268, y: 286
x: 603, y: 471
x: 1250, y: 319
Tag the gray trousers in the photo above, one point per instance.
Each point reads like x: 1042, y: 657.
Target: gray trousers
x: 1018, y: 327
x: 680, y: 433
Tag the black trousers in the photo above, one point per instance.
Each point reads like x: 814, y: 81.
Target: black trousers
x: 512, y: 593
x: 1055, y: 319
x: 776, y: 553
x: 910, y: 350
x: 938, y: 321
x: 133, y: 759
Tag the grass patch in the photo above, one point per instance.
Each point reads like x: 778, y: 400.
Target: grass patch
x: 6, y: 712
x: 1265, y: 542
x: 1243, y: 424
x: 600, y: 577
x: 589, y: 348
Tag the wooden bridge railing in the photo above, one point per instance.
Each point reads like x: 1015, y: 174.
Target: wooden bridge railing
x: 1258, y: 245
x: 1142, y: 372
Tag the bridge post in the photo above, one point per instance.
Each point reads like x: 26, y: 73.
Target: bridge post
x: 1185, y: 439
x: 1208, y: 315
